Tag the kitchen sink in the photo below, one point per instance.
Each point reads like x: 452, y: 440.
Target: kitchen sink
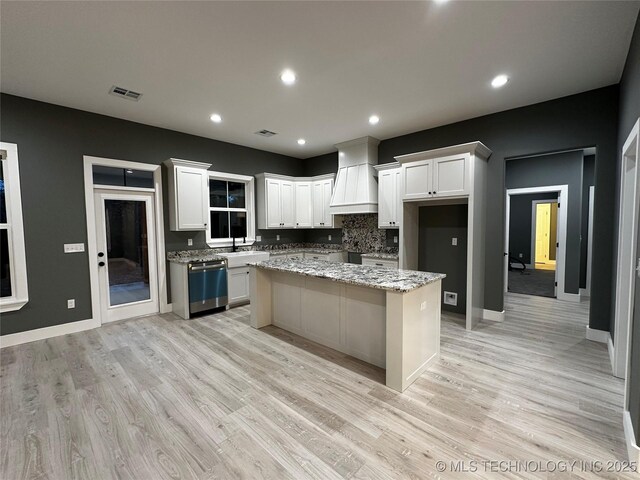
x: 240, y: 259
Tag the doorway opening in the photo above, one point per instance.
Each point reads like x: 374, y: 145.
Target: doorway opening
x: 125, y: 239
x: 545, y: 215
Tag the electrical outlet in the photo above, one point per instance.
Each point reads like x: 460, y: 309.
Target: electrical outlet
x: 454, y: 241
x: 520, y: 255
x: 277, y: 238
x: 451, y: 298
x: 190, y: 242
x: 258, y: 238
x: 329, y: 237
x: 423, y: 306
x: 395, y: 239
x: 71, y: 303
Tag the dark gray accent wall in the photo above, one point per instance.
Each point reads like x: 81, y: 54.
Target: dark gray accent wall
x: 556, y: 169
x: 588, y: 180
x: 578, y: 121
x: 520, y: 229
x: 629, y: 113
x: 51, y: 143
x: 437, y: 226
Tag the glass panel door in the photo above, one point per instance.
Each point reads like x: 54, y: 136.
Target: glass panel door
x: 127, y: 251
x: 126, y: 255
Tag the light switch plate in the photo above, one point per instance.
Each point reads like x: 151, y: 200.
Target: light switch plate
x: 73, y: 247
x: 395, y: 239
x: 329, y: 237
x: 277, y: 238
x: 258, y: 238
x: 71, y: 303
x: 454, y: 241
x: 190, y: 242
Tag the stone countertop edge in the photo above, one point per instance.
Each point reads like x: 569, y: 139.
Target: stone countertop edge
x: 381, y: 255
x: 382, y: 278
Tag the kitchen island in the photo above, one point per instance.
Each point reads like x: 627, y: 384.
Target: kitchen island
x: 384, y: 316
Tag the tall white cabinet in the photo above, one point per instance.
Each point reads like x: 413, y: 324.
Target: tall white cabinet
x: 188, y: 194
x: 294, y: 202
x: 389, y: 191
x: 450, y: 175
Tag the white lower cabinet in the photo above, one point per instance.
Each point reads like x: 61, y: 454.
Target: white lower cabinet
x: 238, y: 285
x: 379, y: 262
x: 325, y: 257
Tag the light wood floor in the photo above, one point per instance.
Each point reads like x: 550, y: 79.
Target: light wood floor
x: 164, y: 398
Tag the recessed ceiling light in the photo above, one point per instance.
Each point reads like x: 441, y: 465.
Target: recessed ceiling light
x: 374, y: 119
x: 216, y: 118
x: 301, y: 141
x: 288, y: 77
x: 499, y: 81
x: 441, y: 1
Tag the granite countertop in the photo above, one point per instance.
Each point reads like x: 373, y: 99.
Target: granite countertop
x: 374, y: 277
x: 381, y: 255
x: 189, y: 256
x: 321, y: 251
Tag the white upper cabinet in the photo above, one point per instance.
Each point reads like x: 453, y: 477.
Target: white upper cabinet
x: 321, y: 201
x: 437, y: 177
x: 450, y: 176
x: 279, y: 204
x: 389, y: 203
x: 289, y: 202
x: 188, y: 195
x: 304, y: 204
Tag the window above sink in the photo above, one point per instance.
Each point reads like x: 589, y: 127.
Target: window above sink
x: 231, y: 209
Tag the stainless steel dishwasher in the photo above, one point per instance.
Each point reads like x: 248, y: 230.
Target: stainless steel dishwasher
x: 207, y: 285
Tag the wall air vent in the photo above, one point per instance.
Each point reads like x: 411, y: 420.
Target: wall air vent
x: 265, y: 133
x: 124, y: 93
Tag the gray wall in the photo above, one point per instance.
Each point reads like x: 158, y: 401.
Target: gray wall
x: 51, y: 142
x: 578, y: 121
x: 437, y: 226
x: 520, y: 217
x: 588, y: 180
x: 629, y: 113
x: 556, y: 169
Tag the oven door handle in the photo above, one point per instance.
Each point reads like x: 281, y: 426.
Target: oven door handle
x: 204, y: 269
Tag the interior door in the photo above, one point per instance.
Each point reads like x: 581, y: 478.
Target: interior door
x: 127, y: 261
x: 543, y: 223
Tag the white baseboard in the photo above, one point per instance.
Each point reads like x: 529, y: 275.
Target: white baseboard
x: 601, y: 336
x: 611, y: 353
x: 493, y: 315
x: 584, y: 293
x: 633, y: 450
x: 47, y: 332
x: 167, y: 308
x: 569, y: 297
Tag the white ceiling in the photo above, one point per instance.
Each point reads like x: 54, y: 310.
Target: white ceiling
x: 415, y: 64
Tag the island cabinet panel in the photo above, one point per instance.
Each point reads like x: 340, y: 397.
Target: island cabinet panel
x: 321, y: 319
x: 364, y: 324
x: 287, y: 295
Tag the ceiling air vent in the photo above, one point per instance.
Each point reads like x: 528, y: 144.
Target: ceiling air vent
x: 124, y: 93
x: 265, y: 133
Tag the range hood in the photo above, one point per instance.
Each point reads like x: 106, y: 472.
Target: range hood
x: 356, y: 189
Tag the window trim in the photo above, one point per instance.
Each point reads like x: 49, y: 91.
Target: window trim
x: 15, y: 232
x: 249, y: 192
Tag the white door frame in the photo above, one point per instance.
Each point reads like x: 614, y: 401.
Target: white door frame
x: 114, y: 313
x: 563, y: 197
x: 534, y: 216
x: 625, y: 272
x: 592, y: 199
x: 92, y: 250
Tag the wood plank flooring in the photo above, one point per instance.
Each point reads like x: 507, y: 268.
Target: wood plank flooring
x: 164, y: 398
